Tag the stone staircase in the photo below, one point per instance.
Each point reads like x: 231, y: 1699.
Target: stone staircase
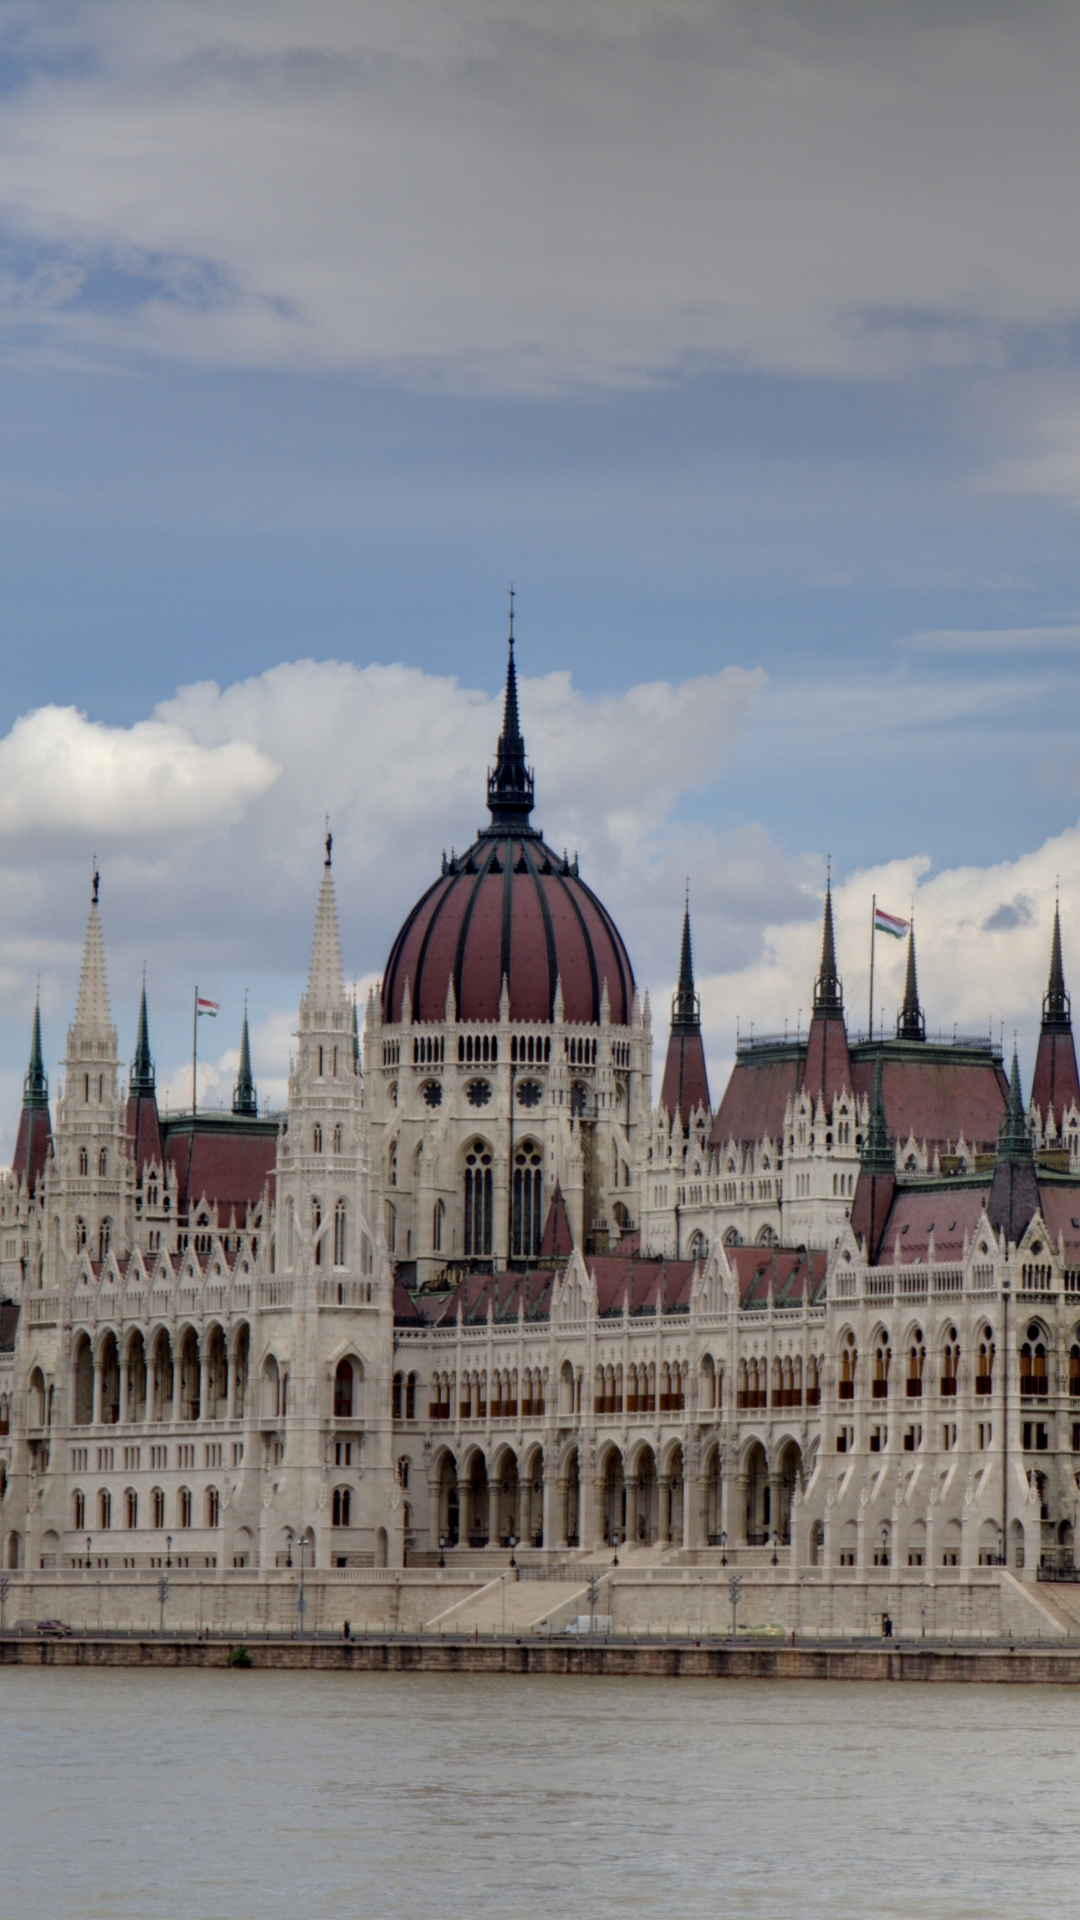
x: 516, y: 1606
x: 1061, y: 1599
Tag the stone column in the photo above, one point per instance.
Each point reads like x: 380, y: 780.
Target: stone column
x: 562, y: 1491
x: 98, y: 1388
x: 597, y: 1530
x: 663, y: 1497
x: 464, y: 1492
x: 125, y: 1392
x: 204, y: 1380
x: 740, y: 1517
x: 494, y: 1487
x: 230, y: 1384
x: 632, y: 1511
x: 775, y: 1501
x: 688, y: 1510
x: 701, y: 1528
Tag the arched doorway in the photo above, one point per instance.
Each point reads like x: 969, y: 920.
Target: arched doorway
x: 671, y: 1518
x: 572, y: 1515
x: 790, y: 1477
x: 506, y: 1518
x: 713, y: 1523
x: 477, y: 1516
x: 613, y: 1515
x: 644, y: 1522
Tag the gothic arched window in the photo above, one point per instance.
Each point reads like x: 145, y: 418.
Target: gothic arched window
x: 339, y: 1234
x: 84, y: 1162
x: 316, y: 1228
x: 478, y: 1200
x: 316, y: 1139
x: 528, y: 1192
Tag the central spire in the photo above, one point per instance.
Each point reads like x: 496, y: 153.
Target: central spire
x: 142, y: 1067
x: 911, y: 1024
x: 1056, y: 1008
x: 245, y: 1100
x: 510, y: 786
x: 685, y: 1005
x: 828, y: 993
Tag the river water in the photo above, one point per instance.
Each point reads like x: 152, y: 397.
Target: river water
x: 234, y: 1795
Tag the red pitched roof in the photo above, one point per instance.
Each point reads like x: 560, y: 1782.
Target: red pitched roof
x: 686, y: 1082
x: 1060, y: 1208
x: 638, y: 1285
x: 32, y: 1144
x: 225, y: 1159
x: 144, y: 1129
x: 557, y: 1241
x: 827, y: 1071
x: 788, y: 1273
x: 935, y: 1096
x: 756, y: 1095
x: 946, y: 1211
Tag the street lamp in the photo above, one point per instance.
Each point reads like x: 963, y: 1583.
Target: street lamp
x: 1001, y: 1548
x: 735, y: 1590
x: 89, y: 1544
x: 302, y: 1603
x: 163, y: 1594
x: 512, y: 1543
x: 723, y: 1549
x: 615, y: 1538
x: 775, y: 1544
x: 442, y: 1549
x: 884, y: 1546
x: 168, y: 1549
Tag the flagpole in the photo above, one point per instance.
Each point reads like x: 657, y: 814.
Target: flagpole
x: 194, y: 1051
x: 873, y: 931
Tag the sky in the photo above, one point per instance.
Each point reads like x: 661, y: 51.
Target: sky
x: 743, y: 338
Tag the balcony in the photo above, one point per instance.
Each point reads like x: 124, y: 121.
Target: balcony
x: 914, y: 1389
x: 948, y: 1386
x: 847, y: 1390
x: 1032, y: 1385
x: 984, y: 1383
x: 880, y: 1389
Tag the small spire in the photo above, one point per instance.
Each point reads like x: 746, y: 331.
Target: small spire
x: 92, y: 1006
x: 828, y: 993
x: 685, y: 1005
x: 325, y: 989
x: 355, y: 1033
x: 510, y: 787
x: 1056, y: 1008
x: 245, y: 1100
x: 911, y: 1024
x: 35, y: 1085
x: 142, y: 1067
x: 1014, y: 1140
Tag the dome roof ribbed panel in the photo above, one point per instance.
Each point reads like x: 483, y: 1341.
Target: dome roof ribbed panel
x: 478, y: 962
x: 532, y: 925
x: 531, y: 985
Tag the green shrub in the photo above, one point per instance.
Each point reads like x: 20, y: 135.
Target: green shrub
x: 239, y: 1657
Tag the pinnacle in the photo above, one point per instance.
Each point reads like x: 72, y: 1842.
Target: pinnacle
x: 510, y: 787
x: 828, y: 995
x: 1014, y: 1140
x: 685, y: 1008
x: 911, y: 1025
x: 92, y: 1006
x: 877, y: 1154
x: 325, y: 988
x: 245, y: 1099
x: 1057, y: 1011
x: 35, y: 1085
x: 142, y: 1067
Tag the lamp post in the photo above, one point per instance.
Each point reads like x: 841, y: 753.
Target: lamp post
x: 442, y: 1549
x: 89, y: 1544
x: 1001, y: 1548
x: 723, y: 1549
x: 775, y: 1544
x: 884, y: 1546
x: 512, y: 1542
x: 735, y: 1590
x: 168, y: 1549
x: 5, y: 1585
x: 302, y: 1603
x: 162, y: 1594
x: 615, y: 1538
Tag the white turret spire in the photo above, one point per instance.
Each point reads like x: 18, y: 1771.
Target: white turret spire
x: 92, y: 1016
x: 326, y: 985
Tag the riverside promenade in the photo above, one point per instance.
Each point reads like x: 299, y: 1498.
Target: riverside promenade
x: 597, y: 1656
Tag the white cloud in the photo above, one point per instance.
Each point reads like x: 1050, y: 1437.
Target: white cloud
x: 520, y: 194
x: 62, y: 773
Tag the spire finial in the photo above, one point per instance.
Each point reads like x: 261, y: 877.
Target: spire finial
x: 35, y: 1085
x: 1014, y: 1140
x: 828, y: 995
x: 878, y: 1155
x: 510, y: 787
x: 245, y: 1099
x: 686, y: 1007
x: 97, y: 883
x: 329, y: 841
x: 142, y: 1067
x: 1056, y: 1009
x: 911, y: 1025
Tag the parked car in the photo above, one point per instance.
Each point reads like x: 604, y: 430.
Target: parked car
x: 52, y: 1626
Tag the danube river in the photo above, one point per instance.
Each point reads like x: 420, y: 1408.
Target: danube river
x: 232, y: 1795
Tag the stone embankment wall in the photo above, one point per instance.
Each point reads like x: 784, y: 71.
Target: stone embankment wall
x: 984, y: 1603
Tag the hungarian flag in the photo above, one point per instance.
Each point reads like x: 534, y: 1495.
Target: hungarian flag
x: 888, y: 923
x: 212, y: 1007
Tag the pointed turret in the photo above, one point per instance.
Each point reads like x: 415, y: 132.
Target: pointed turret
x: 1055, y: 1085
x: 827, y: 1071
x: 910, y: 1023
x: 1014, y: 1196
x: 35, y: 1127
x: 143, y: 1123
x: 355, y: 1035
x: 686, y: 1080
x: 245, y: 1100
x: 92, y: 1014
x: 510, y: 785
x: 875, y: 1189
x: 142, y: 1067
x: 325, y: 988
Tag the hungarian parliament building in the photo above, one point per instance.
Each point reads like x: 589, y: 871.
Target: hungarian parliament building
x: 475, y: 1288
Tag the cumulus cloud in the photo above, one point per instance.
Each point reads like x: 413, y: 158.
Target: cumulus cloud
x: 512, y: 193
x: 62, y: 773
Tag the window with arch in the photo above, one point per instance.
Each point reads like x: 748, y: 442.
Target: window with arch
x: 478, y: 1200
x: 849, y: 1359
x: 213, y: 1507
x: 916, y: 1360
x: 316, y: 1138
x: 339, y: 1138
x: 183, y: 1506
x: 131, y: 1508
x: 410, y: 1397
x: 340, y: 1238
x: 438, y: 1215
x: 84, y: 1162
x: 1074, y: 1370
x: 403, y: 1470
x: 398, y: 1388
x: 80, y: 1235
x: 78, y: 1512
x: 950, y: 1363
x: 984, y: 1376
x: 104, y: 1239
x: 103, y: 1162
x: 316, y: 1230
x: 882, y: 1358
x: 391, y: 1164
x: 343, y: 1390
x: 1033, y: 1375
x: 528, y: 1198
x: 391, y: 1227
x: 104, y: 1509
x: 157, y: 1504
x: 342, y: 1507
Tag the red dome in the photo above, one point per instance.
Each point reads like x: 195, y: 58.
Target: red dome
x: 509, y: 909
